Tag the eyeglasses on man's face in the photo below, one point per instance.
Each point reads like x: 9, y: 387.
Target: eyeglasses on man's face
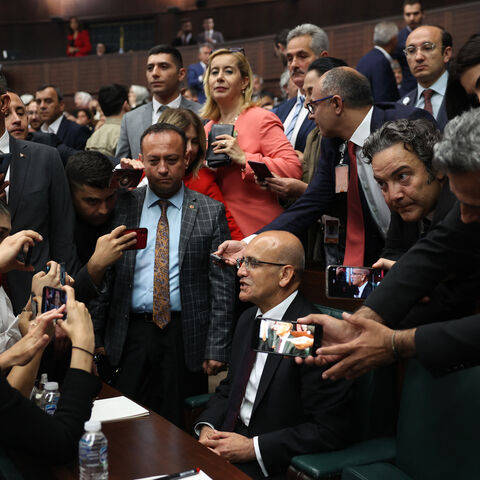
x: 311, y: 105
x: 425, y: 48
x: 252, y: 263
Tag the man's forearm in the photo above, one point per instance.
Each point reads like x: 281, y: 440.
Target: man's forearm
x: 403, y: 342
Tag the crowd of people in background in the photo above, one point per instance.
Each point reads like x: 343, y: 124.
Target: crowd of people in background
x: 133, y: 190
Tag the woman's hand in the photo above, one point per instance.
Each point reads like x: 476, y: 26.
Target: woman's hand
x: 50, y: 279
x: 229, y: 145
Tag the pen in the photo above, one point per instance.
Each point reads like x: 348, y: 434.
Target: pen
x: 188, y: 473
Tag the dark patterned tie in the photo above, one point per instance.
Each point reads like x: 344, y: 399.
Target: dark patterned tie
x: 355, y: 244
x: 427, y: 95
x: 161, y: 283
x: 237, y: 392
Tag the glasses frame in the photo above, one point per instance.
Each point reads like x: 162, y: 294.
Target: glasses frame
x: 310, y: 105
x: 253, y: 263
x: 421, y: 48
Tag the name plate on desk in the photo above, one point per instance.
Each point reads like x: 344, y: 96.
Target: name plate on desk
x: 116, y: 408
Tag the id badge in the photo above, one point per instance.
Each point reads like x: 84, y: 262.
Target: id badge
x: 331, y: 229
x: 341, y: 178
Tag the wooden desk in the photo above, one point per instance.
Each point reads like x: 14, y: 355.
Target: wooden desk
x: 147, y: 446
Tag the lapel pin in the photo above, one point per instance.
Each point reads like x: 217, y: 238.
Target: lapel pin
x: 406, y: 101
x: 191, y: 206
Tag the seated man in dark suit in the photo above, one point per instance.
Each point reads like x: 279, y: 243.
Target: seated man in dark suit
x: 428, y: 51
x: 401, y: 153
x: 269, y: 409
x: 376, y: 65
x: 50, y: 103
x: 16, y: 122
x: 361, y: 341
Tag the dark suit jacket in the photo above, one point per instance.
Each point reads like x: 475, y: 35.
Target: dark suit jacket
x: 193, y: 73
x: 206, y: 289
x: 411, y: 98
x: 408, y: 80
x: 53, y: 141
x: 72, y: 134
x: 177, y: 41
x: 39, y: 199
x: 367, y: 290
x: 282, y: 112
x: 450, y: 247
x: 375, y: 66
x: 295, y: 411
x: 320, y: 196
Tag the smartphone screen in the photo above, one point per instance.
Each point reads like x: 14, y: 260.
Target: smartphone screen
x: 344, y: 281
x: 53, y: 298
x: 285, y: 337
x: 142, y: 234
x: 125, y: 178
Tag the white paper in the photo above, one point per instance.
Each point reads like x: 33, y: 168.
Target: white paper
x: 201, y: 475
x: 116, y: 408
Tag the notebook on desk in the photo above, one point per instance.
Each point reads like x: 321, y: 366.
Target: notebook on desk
x: 116, y: 408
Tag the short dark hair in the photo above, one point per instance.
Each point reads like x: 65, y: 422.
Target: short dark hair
x: 3, y: 83
x: 352, y: 86
x: 169, y: 50
x: 49, y: 85
x: 281, y: 37
x: 324, y: 64
x: 111, y: 98
x: 447, y: 40
x: 417, y: 136
x: 4, y: 210
x: 88, y: 168
x: 413, y: 2
x: 88, y: 113
x: 164, y: 127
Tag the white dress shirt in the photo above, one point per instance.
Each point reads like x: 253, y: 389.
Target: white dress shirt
x: 53, y: 127
x: 5, y: 148
x: 361, y: 288
x: 300, y: 119
x: 439, y: 88
x: 9, y: 331
x: 373, y: 194
x: 156, y: 105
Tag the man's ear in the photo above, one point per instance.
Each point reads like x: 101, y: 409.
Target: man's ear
x: 181, y: 74
x: 62, y: 106
x: 286, y: 275
x: 338, y: 103
x: 4, y: 103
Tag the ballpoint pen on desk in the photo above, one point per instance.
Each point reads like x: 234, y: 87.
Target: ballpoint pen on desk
x: 188, y: 473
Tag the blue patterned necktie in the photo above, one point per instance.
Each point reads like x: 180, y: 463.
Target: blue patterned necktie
x: 291, y: 126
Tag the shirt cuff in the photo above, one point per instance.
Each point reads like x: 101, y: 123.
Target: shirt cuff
x: 248, y: 239
x: 259, y: 456
x: 199, y: 425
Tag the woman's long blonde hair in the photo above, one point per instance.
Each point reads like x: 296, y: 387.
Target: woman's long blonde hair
x: 210, y: 109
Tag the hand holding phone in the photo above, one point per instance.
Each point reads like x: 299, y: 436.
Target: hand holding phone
x: 53, y: 298
x: 261, y: 170
x: 125, y: 178
x: 142, y: 235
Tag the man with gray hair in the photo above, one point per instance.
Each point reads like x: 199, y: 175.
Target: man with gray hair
x: 451, y: 247
x: 305, y: 43
x: 376, y: 65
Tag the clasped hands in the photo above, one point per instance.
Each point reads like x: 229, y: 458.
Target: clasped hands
x: 233, y: 447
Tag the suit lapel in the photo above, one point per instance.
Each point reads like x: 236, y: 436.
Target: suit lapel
x: 147, y: 118
x: 19, y: 167
x: 62, y: 128
x: 442, y: 118
x: 189, y: 214
x: 273, y: 361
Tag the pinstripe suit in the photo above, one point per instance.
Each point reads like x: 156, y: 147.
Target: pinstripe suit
x: 206, y: 290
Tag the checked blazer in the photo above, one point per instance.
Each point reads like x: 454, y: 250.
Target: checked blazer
x: 207, y: 290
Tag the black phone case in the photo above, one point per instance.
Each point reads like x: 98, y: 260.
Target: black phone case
x: 215, y: 160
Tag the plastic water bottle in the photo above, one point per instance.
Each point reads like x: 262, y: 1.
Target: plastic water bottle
x: 93, y: 453
x: 50, y: 397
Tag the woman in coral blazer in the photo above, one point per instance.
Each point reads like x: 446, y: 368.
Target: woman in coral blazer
x: 258, y: 136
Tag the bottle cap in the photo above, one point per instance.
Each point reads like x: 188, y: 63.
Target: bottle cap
x: 51, y: 386
x: 92, y: 426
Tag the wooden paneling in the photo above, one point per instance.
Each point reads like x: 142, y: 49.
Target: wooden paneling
x: 347, y: 41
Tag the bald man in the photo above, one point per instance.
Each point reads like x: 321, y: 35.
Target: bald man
x: 269, y: 409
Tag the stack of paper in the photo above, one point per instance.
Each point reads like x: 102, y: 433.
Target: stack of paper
x: 116, y: 408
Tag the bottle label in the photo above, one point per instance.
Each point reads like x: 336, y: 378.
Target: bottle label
x: 50, y: 408
x: 104, y: 456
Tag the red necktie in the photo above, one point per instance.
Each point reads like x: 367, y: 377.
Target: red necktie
x: 355, y: 244
x: 427, y: 95
x: 161, y: 272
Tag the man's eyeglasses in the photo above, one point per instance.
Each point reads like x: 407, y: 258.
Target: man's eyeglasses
x: 311, y: 105
x: 426, y: 48
x: 252, y: 263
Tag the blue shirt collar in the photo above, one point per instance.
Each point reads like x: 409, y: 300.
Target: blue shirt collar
x: 176, y: 200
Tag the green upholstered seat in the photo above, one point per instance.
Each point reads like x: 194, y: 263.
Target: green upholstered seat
x: 197, y: 401
x: 376, y: 471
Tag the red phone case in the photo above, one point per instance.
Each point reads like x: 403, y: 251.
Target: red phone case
x: 142, y: 234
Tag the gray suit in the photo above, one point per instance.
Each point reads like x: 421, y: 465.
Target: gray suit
x: 207, y: 290
x: 134, y: 123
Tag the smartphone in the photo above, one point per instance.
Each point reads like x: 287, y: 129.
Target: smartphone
x: 286, y: 337
x: 125, y: 178
x: 261, y: 170
x: 52, y: 298
x: 344, y: 281
x: 28, y: 256
x: 142, y: 234
x: 217, y: 258
x: 63, y: 273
